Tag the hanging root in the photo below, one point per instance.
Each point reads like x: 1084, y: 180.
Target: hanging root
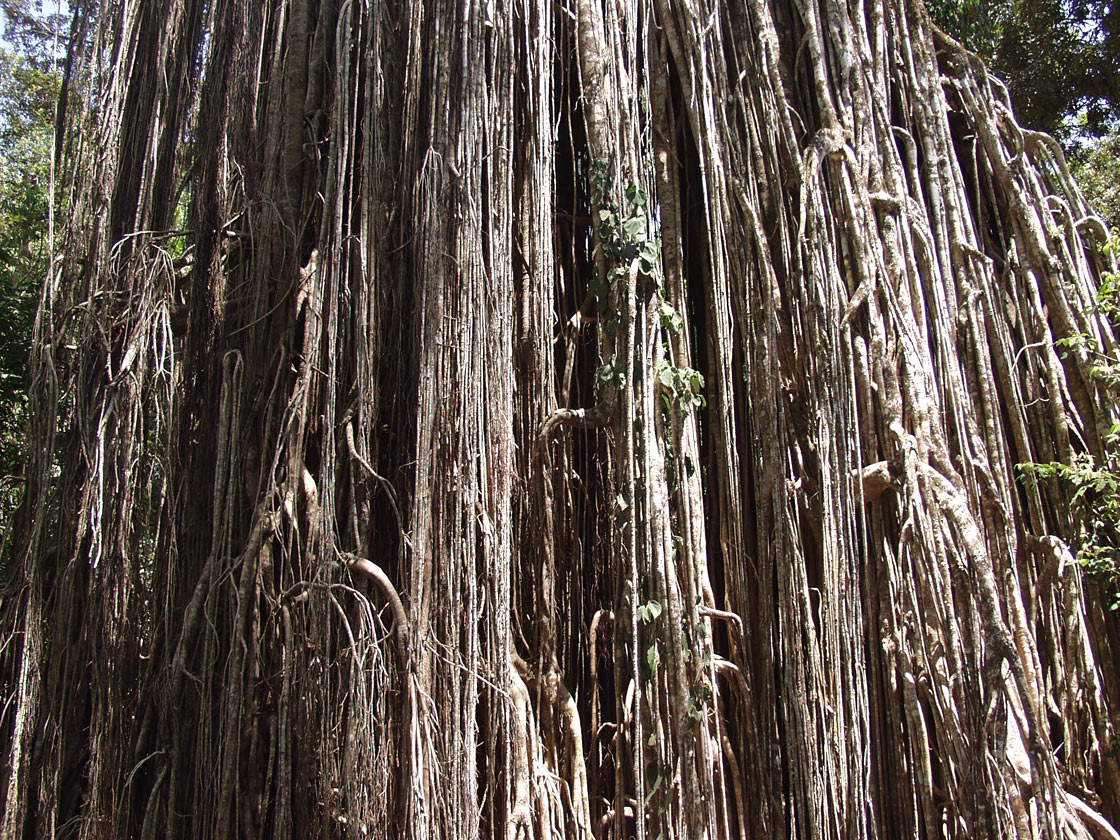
x: 828, y: 271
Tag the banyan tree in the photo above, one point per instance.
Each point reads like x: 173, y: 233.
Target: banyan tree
x: 531, y: 419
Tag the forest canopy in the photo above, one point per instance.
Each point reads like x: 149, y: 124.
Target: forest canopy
x: 1060, y: 58
x: 28, y: 90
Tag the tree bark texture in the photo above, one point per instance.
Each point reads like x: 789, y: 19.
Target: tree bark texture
x: 530, y: 420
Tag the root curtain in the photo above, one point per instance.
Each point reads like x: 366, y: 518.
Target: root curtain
x: 527, y: 419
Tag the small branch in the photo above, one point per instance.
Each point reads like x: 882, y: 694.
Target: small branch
x: 1056, y: 556
x: 595, y: 417
x: 724, y: 615
x: 593, y: 637
x: 263, y: 526
x: 375, y: 573
x: 1092, y: 224
x: 1088, y: 815
x: 386, y: 485
x: 878, y: 478
x: 370, y: 570
x: 734, y: 676
x: 736, y: 781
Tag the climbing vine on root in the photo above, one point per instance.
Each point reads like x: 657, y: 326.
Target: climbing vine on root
x: 1093, y: 481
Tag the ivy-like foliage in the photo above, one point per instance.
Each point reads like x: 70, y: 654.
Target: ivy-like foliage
x: 627, y: 240
x: 1095, y: 485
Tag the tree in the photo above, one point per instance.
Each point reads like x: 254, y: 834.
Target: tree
x: 1060, y: 59
x: 596, y: 420
x: 28, y: 89
x: 1098, y: 173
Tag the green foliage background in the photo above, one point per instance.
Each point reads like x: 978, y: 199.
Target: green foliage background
x: 1060, y: 60
x: 27, y: 96
x: 1094, y: 485
x: 1097, y: 170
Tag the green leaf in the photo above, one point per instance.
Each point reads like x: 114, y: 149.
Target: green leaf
x: 634, y: 227
x: 670, y: 318
x: 666, y: 378
x: 695, y: 711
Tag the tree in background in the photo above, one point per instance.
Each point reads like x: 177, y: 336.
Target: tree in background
x: 977, y: 24
x: 1096, y: 166
x: 1059, y: 58
x: 1061, y: 62
x: 27, y: 98
x: 28, y: 91
x: 35, y: 30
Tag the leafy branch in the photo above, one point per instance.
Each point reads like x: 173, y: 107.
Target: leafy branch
x: 1094, y: 487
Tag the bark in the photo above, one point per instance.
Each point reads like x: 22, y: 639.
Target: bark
x: 371, y: 491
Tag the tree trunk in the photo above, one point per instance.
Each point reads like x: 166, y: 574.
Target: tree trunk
x: 527, y: 420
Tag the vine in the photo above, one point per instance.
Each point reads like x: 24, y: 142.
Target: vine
x: 1095, y: 486
x: 629, y: 245
x: 630, y: 265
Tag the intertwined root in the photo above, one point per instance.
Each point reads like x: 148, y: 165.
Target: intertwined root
x: 340, y: 521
